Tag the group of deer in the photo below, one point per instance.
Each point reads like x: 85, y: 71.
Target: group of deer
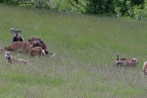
x: 129, y: 62
x: 34, y: 46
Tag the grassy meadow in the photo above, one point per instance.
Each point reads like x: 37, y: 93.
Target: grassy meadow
x: 85, y: 48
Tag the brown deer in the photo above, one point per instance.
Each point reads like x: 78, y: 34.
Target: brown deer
x: 38, y: 42
x: 19, y: 46
x: 37, y: 51
x: 129, y: 62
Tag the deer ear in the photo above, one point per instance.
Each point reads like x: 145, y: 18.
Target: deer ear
x: 12, y: 30
x: 18, y: 31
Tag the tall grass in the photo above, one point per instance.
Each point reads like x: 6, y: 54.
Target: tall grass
x: 83, y: 66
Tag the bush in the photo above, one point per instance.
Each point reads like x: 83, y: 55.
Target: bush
x: 9, y: 1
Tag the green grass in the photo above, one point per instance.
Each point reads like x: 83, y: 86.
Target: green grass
x: 85, y: 48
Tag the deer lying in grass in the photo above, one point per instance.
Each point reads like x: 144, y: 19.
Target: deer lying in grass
x: 12, y: 60
x: 128, y: 62
x: 19, y: 46
x: 144, y: 68
x: 37, y: 51
x: 38, y: 42
x: 16, y: 35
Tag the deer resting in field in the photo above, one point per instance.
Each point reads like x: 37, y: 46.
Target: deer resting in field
x: 12, y: 60
x: 128, y: 62
x: 16, y: 35
x: 19, y: 46
x: 38, y: 42
x: 37, y: 51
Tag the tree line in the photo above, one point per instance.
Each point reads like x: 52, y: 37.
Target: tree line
x: 120, y: 8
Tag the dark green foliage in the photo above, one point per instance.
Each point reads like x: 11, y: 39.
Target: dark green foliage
x: 9, y: 1
x: 137, y: 2
x: 100, y: 7
x: 125, y: 8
